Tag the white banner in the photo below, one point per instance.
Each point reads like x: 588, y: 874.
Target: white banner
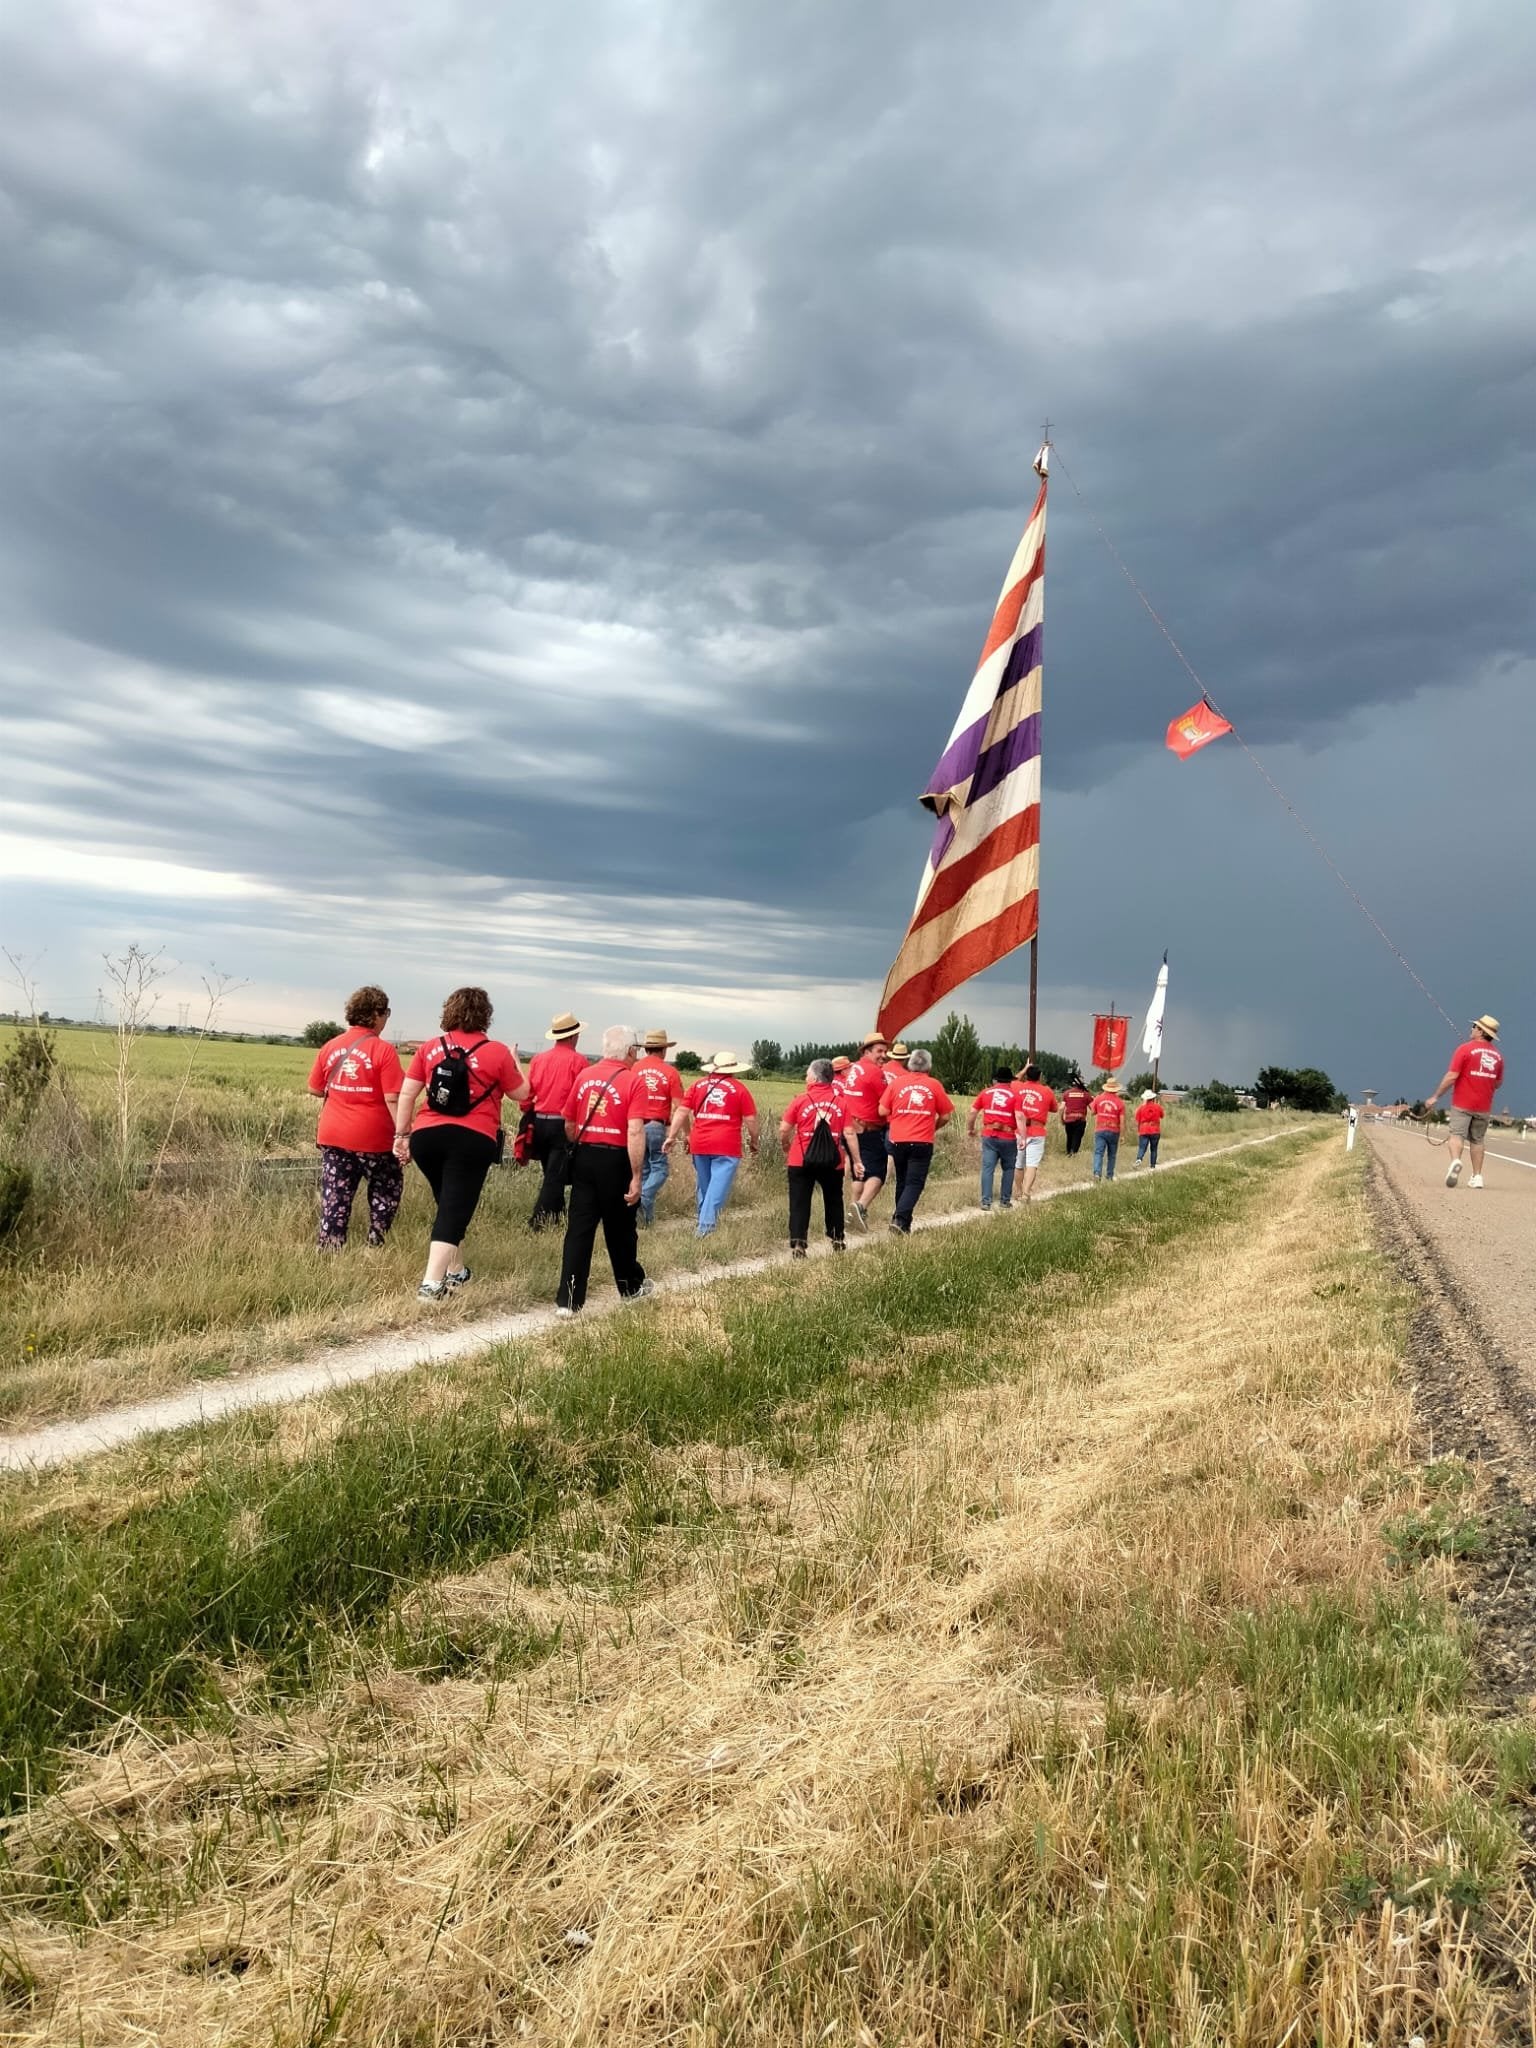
x: 1152, y: 1030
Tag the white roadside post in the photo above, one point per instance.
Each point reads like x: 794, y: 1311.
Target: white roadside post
x: 1349, y: 1135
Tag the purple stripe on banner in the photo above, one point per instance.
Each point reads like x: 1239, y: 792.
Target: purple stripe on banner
x: 959, y: 760
x: 1010, y: 752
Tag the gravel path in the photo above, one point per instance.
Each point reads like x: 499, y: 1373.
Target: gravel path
x: 344, y: 1365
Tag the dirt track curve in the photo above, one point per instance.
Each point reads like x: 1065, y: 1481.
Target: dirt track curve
x: 1471, y: 1255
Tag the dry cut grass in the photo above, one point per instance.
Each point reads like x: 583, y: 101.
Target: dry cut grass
x: 1084, y: 1708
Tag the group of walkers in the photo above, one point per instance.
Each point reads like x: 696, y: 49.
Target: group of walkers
x: 602, y: 1134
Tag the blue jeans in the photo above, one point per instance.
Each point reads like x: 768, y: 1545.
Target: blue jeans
x: 714, y: 1174
x: 998, y: 1152
x: 1147, y: 1142
x: 1106, y: 1147
x: 653, y: 1175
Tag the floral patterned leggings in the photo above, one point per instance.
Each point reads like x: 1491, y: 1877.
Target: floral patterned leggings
x: 340, y: 1174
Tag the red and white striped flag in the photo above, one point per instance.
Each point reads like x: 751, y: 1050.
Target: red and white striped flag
x: 980, y: 893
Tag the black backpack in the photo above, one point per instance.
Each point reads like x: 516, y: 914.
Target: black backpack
x: 820, y: 1148
x: 450, y: 1092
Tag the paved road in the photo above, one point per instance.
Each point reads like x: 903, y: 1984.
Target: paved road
x: 1483, y: 1238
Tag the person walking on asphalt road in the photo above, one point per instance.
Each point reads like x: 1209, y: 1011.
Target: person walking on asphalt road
x: 1474, y: 1075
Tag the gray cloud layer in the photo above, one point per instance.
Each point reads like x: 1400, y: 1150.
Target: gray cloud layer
x: 579, y: 450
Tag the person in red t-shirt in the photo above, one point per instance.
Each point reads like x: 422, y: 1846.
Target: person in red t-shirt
x: 822, y: 1104
x: 1474, y: 1077
x: 604, y: 1120
x: 716, y: 1112
x: 1076, y: 1103
x: 552, y: 1074
x: 996, y: 1110
x: 1035, y: 1101
x: 455, y: 1152
x: 1108, y: 1117
x: 659, y: 1089
x: 917, y: 1109
x: 864, y: 1083
x: 1149, y: 1127
x: 357, y: 1076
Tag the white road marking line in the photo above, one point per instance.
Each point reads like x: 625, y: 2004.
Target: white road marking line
x: 1510, y: 1159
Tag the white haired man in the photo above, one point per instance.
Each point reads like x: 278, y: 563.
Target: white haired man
x: 1476, y: 1069
x: 605, y: 1123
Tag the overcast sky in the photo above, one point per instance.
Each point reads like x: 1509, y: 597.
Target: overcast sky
x: 516, y: 495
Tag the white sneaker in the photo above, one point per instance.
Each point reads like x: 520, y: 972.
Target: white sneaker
x: 646, y: 1287
x: 1453, y: 1173
x: 1476, y: 1181
x: 564, y: 1314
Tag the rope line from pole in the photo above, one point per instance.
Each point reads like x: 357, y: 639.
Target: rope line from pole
x: 1189, y: 668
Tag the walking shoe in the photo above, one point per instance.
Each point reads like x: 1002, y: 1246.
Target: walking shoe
x: 1009, y: 1205
x: 1453, y: 1173
x: 1476, y: 1181
x: 427, y: 1292
x: 797, y: 1251
x: 459, y: 1278
x: 564, y: 1314
x: 861, y: 1215
x: 901, y: 1229
x: 839, y: 1244
x: 986, y: 1208
x: 645, y: 1287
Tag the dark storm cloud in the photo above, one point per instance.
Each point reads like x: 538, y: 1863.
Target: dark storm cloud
x: 581, y: 449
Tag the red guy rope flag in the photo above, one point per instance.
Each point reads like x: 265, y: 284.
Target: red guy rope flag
x: 1196, y: 728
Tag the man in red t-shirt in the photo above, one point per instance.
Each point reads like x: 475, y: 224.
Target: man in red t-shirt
x: 1149, y: 1127
x: 603, y: 1121
x: 996, y: 1109
x: 1474, y: 1076
x: 1108, y: 1117
x: 659, y: 1090
x: 1035, y: 1099
x: 357, y: 1077
x: 551, y: 1077
x: 864, y: 1084
x: 1076, y: 1104
x: 917, y: 1109
x: 717, y: 1111
x: 822, y: 1106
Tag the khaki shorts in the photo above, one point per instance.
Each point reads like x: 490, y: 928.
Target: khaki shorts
x: 1034, y: 1150
x: 1466, y: 1123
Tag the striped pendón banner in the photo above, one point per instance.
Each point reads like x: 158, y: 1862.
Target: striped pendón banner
x: 980, y: 894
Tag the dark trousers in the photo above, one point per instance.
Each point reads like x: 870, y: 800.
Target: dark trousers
x: 455, y: 1162
x: 802, y: 1181
x: 341, y: 1174
x: 550, y: 1146
x: 1075, y: 1136
x: 912, y: 1163
x: 598, y: 1186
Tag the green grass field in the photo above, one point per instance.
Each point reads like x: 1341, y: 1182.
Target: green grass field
x: 1005, y: 1636
x: 203, y: 1264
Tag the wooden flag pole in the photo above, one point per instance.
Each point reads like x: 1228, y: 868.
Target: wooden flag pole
x: 1034, y: 991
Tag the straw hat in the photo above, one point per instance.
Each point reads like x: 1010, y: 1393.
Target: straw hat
x: 872, y: 1038
x: 564, y: 1026
x: 899, y: 1052
x: 1488, y: 1025
x: 1149, y: 1095
x: 841, y: 1064
x: 1112, y: 1087
x: 724, y: 1063
x: 658, y: 1041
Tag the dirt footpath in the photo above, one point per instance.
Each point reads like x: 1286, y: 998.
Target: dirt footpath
x: 1471, y: 1254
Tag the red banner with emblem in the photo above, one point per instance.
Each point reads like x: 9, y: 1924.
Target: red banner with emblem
x: 1196, y: 728
x: 1109, y: 1036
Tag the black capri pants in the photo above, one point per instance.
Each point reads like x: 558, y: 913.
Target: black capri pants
x: 455, y: 1162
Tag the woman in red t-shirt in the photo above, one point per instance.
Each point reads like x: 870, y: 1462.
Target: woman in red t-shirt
x: 716, y: 1111
x: 456, y: 1149
x: 1149, y: 1127
x: 357, y: 1077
